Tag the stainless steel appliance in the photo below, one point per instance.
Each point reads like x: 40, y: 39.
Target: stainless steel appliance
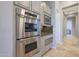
x: 27, y: 23
x: 27, y: 32
x: 47, y: 20
x: 28, y: 47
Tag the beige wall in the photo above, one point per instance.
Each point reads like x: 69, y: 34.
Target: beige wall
x: 74, y: 26
x: 7, y: 30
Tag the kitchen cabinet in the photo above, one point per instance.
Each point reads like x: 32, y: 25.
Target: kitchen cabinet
x: 46, y: 8
x: 25, y: 4
x: 45, y: 14
x: 49, y: 10
x: 32, y: 5
x: 36, y: 6
x: 46, y: 42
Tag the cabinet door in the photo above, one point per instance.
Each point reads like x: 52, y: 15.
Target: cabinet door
x: 36, y: 6
x: 46, y: 8
x: 49, y: 10
x: 26, y: 4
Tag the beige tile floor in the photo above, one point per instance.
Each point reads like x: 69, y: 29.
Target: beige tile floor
x: 68, y: 49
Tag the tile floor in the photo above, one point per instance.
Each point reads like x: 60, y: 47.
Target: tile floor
x: 68, y: 49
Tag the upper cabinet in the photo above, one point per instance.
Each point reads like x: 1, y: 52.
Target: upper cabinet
x: 36, y: 6
x: 26, y: 4
x: 46, y: 8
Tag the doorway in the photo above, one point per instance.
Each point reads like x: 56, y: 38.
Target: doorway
x: 71, y: 26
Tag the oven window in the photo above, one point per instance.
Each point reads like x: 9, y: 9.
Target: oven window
x: 46, y: 30
x: 30, y: 27
x: 47, y: 20
x: 30, y: 47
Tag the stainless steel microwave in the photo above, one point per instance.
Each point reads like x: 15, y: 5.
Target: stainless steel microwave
x: 47, y: 20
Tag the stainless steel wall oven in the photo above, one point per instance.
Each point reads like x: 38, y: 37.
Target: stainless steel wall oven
x: 27, y: 23
x: 27, y: 32
x: 28, y: 47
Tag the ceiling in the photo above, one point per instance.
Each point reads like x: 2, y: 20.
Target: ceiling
x: 71, y: 10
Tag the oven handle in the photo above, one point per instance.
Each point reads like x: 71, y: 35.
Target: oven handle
x: 27, y: 37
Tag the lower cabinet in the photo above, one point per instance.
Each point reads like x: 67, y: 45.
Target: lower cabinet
x: 46, y: 42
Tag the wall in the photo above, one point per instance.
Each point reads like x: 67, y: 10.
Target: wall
x: 7, y: 38
x: 77, y: 24
x: 74, y: 26
x: 57, y: 23
x: 64, y: 25
x: 53, y: 23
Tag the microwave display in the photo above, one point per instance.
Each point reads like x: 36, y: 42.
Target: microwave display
x: 30, y: 27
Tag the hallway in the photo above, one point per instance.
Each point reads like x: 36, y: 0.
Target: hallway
x: 68, y: 49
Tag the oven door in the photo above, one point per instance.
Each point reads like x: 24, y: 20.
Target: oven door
x: 28, y: 47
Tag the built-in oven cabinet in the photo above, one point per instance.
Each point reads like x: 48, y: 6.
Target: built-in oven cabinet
x: 36, y: 6
x: 25, y: 4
